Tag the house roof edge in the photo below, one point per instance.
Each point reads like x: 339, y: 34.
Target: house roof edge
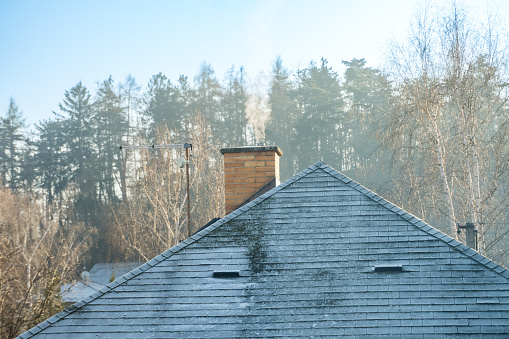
x: 428, y: 229
x: 422, y: 225
x: 166, y: 254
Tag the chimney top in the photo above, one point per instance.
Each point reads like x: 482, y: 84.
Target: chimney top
x: 248, y: 172
x: 252, y: 149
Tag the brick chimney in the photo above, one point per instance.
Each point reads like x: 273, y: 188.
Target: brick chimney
x: 248, y: 173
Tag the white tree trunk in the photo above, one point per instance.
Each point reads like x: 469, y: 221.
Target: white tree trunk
x: 445, y: 180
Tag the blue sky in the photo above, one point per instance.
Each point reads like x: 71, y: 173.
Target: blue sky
x: 46, y: 47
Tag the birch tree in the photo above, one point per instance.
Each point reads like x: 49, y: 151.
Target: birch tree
x: 39, y: 250
x: 447, y: 125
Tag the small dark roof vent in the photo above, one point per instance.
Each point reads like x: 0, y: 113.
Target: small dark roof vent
x: 226, y: 274
x: 388, y: 268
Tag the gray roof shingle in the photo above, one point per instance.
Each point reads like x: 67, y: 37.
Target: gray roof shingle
x: 305, y: 252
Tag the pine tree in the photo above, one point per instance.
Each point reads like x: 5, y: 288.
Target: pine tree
x: 79, y: 151
x: 165, y: 104
x: 280, y: 129
x: 52, y: 167
x: 233, y: 104
x: 367, y: 91
x: 185, y: 95
x: 111, y: 122
x: 11, y: 138
x: 28, y: 174
x: 207, y: 101
x: 129, y: 93
x: 321, y: 127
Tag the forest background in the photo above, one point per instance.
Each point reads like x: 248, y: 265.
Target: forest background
x: 428, y: 131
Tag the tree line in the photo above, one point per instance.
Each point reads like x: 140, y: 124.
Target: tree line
x: 77, y: 151
x: 429, y: 132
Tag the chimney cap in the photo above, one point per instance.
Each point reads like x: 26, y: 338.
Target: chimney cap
x: 252, y: 149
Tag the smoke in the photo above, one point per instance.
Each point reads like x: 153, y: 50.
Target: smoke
x: 258, y: 108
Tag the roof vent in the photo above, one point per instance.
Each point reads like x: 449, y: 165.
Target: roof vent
x: 226, y: 274
x: 388, y: 268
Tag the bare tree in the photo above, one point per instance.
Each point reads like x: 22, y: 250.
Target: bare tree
x: 38, y: 252
x: 447, y: 125
x: 155, y: 215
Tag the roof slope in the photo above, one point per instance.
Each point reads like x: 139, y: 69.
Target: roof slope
x: 305, y: 252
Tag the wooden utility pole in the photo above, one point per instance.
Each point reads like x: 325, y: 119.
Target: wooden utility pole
x: 188, y: 191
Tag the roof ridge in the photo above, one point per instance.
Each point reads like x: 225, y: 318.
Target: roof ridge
x: 422, y: 225
x: 168, y: 253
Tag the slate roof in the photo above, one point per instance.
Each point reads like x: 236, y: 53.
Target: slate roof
x: 305, y: 252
